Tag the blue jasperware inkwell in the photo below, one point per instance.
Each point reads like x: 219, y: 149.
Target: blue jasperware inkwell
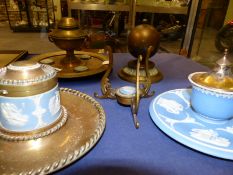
x: 212, y: 93
x: 29, y: 98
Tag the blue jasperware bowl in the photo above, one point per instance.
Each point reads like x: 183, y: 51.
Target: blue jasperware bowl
x: 216, y: 104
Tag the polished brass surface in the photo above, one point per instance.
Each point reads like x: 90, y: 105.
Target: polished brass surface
x: 34, y: 89
x: 142, y: 87
x: 96, y: 63
x: 212, y: 81
x: 139, y: 40
x: 136, y: 99
x: 68, y: 37
x: 26, y: 78
x: 67, y: 29
x: 106, y: 88
x: 19, y: 73
x: 124, y: 100
x: 68, y: 44
x: 67, y: 23
x: 144, y: 48
x: 84, y: 127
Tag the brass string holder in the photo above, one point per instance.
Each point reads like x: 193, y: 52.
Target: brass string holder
x: 142, y: 88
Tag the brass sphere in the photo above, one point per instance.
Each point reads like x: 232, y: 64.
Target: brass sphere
x: 140, y: 38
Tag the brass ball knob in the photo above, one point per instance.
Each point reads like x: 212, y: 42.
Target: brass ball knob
x: 141, y: 38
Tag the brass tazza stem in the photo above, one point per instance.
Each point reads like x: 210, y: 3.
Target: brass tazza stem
x: 106, y: 88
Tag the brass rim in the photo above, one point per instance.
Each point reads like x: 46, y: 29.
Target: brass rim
x: 66, y: 73
x: 34, y: 89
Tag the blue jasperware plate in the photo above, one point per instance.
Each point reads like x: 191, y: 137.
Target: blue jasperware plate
x: 171, y: 111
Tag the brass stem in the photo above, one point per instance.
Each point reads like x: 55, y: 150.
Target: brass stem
x: 106, y: 88
x: 136, y: 99
x: 147, y: 83
x: 70, y: 55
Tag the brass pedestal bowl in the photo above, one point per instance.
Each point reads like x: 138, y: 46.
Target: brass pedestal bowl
x: 67, y: 36
x: 143, y: 41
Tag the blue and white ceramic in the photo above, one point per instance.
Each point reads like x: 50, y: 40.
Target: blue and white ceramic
x: 214, y: 103
x: 30, y: 113
x: 171, y: 111
x: 127, y: 91
x: 29, y: 98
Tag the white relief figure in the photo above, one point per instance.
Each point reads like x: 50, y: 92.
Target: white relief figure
x: 180, y: 94
x: 209, y: 136
x: 12, y: 114
x: 170, y: 105
x: 227, y: 129
x: 54, y: 104
x: 39, y: 111
x: 188, y: 119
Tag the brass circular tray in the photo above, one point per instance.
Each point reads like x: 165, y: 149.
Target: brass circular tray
x: 84, y: 127
x: 97, y: 63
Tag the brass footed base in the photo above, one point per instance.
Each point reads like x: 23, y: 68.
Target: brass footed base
x: 128, y: 73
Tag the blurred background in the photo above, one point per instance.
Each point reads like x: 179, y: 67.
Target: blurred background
x: 187, y: 27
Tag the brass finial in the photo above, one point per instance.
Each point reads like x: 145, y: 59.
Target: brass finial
x: 224, y: 66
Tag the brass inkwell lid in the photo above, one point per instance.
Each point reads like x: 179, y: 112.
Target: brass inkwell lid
x: 25, y: 78
x: 68, y: 28
x: 220, y: 77
x: 69, y: 37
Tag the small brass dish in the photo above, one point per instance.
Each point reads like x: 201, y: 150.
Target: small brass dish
x: 125, y: 94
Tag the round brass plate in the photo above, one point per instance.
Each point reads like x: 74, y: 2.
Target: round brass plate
x: 84, y: 127
x: 94, y: 64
